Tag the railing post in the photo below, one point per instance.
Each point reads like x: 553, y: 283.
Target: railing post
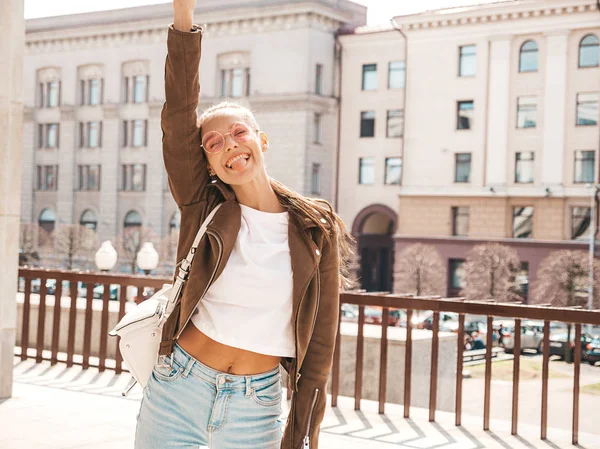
x: 383, y: 356
x: 516, y: 373
x: 545, y: 360
x: 435, y: 343
x: 87, y: 332
x: 360, y: 342
x: 488, y: 373
x: 460, y: 347
x: 41, y: 329
x: 104, y: 327
x: 408, y: 363
x: 576, y: 374
x: 26, y: 315
x: 72, y: 323
x: 122, y: 303
x: 56, y: 322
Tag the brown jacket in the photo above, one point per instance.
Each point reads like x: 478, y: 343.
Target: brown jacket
x: 315, y: 263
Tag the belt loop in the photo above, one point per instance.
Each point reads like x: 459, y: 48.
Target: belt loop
x: 248, y: 387
x: 188, y: 367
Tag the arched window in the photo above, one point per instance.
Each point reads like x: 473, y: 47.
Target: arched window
x: 132, y: 220
x: 175, y: 222
x: 528, y: 57
x: 47, y: 222
x: 589, y: 51
x: 89, y: 220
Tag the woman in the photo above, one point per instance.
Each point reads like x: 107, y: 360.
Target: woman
x: 263, y: 289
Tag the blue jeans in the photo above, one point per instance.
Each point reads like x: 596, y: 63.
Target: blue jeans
x: 190, y: 405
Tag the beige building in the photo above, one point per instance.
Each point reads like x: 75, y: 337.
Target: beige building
x: 94, y: 92
x: 501, y: 133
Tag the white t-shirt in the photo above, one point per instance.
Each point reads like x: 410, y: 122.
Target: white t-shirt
x: 250, y: 305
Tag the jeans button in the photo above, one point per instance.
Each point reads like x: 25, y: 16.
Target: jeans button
x: 222, y: 380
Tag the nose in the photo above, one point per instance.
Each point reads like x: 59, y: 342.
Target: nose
x: 229, y: 142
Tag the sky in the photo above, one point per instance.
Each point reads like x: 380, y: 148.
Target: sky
x: 379, y: 11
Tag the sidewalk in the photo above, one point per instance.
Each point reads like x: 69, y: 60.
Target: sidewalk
x: 59, y: 407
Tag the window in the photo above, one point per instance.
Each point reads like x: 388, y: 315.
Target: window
x: 457, y: 273
x: 132, y: 220
x: 526, y: 112
x: 316, y: 179
x: 89, y: 178
x: 49, y: 94
x: 587, y: 109
x: 464, y: 114
x: 47, y: 177
x: 581, y: 218
x: 585, y: 166
x: 528, y: 57
x: 48, y: 135
x: 135, y: 133
x: 52, y: 135
x: 140, y: 88
x: 47, y: 220
x: 94, y: 134
x: 397, y: 75
x: 460, y: 221
x: 522, y: 222
x: 139, y: 133
x: 317, y: 128
x: 522, y: 279
x: 319, y: 80
x: 133, y: 178
x: 393, y: 170
x: 467, y: 60
x: 366, y: 170
x: 524, y: 167
x: 462, y: 171
x: 94, y: 92
x: 89, y: 220
x: 589, y: 51
x: 369, y: 77
x: 367, y: 124
x: 235, y: 82
x: 53, y: 89
x: 175, y: 222
x: 395, y: 123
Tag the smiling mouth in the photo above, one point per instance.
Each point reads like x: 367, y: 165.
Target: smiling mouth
x: 239, y: 157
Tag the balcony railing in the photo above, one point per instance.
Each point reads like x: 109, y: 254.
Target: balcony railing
x: 386, y: 302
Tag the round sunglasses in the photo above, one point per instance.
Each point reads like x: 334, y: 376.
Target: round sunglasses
x: 213, y: 142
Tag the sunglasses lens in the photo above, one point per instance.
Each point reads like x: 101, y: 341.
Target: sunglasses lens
x: 212, y: 142
x: 240, y: 132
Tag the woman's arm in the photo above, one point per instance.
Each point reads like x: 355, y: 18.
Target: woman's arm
x: 184, y: 160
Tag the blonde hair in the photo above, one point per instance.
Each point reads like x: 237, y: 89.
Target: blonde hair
x: 300, y: 206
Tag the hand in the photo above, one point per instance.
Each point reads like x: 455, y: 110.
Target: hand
x: 184, y: 5
x: 183, y: 14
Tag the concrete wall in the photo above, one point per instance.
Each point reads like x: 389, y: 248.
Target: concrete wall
x: 12, y: 40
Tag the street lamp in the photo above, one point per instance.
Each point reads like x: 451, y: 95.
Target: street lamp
x: 106, y: 257
x: 147, y: 258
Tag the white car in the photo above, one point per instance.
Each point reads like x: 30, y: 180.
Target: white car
x: 532, y: 334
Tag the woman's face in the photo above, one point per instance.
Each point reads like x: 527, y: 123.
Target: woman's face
x: 245, y: 168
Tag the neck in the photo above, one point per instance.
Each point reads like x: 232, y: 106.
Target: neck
x: 258, y: 194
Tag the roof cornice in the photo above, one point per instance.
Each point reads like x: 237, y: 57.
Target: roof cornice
x: 502, y: 11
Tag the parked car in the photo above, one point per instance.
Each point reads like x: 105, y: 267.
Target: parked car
x: 448, y: 322
x: 114, y: 291
x: 532, y: 335
x: 593, y: 351
x: 559, y: 340
x: 374, y: 315
x: 349, y: 313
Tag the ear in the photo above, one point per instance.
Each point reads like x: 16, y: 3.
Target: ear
x: 264, y: 141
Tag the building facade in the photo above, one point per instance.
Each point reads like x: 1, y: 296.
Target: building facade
x: 94, y: 91
x: 502, y: 132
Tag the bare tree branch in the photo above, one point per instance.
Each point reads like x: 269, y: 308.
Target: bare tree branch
x: 130, y: 241
x: 490, y: 272
x: 28, y: 245
x: 419, y: 269
x: 75, y: 243
x: 562, y: 280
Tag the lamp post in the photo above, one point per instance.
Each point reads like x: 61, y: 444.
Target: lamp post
x: 593, y: 226
x: 147, y: 258
x: 106, y: 257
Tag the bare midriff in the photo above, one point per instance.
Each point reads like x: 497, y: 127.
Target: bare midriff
x: 224, y: 358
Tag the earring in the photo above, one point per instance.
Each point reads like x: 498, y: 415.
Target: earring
x: 213, y: 177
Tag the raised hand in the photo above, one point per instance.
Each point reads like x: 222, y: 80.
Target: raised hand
x: 183, y: 14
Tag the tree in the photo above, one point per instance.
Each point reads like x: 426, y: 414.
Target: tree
x: 74, y: 242
x: 563, y: 281
x: 130, y: 241
x: 168, y: 252
x: 420, y: 270
x: 490, y: 272
x: 28, y: 248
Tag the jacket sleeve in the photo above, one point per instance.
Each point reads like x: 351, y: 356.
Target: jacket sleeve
x: 185, y: 161
x: 310, y: 404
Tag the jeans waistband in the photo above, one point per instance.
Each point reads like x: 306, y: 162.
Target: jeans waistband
x: 220, y: 379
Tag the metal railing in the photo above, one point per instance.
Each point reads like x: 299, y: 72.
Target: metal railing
x: 461, y: 307
x: 386, y: 301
